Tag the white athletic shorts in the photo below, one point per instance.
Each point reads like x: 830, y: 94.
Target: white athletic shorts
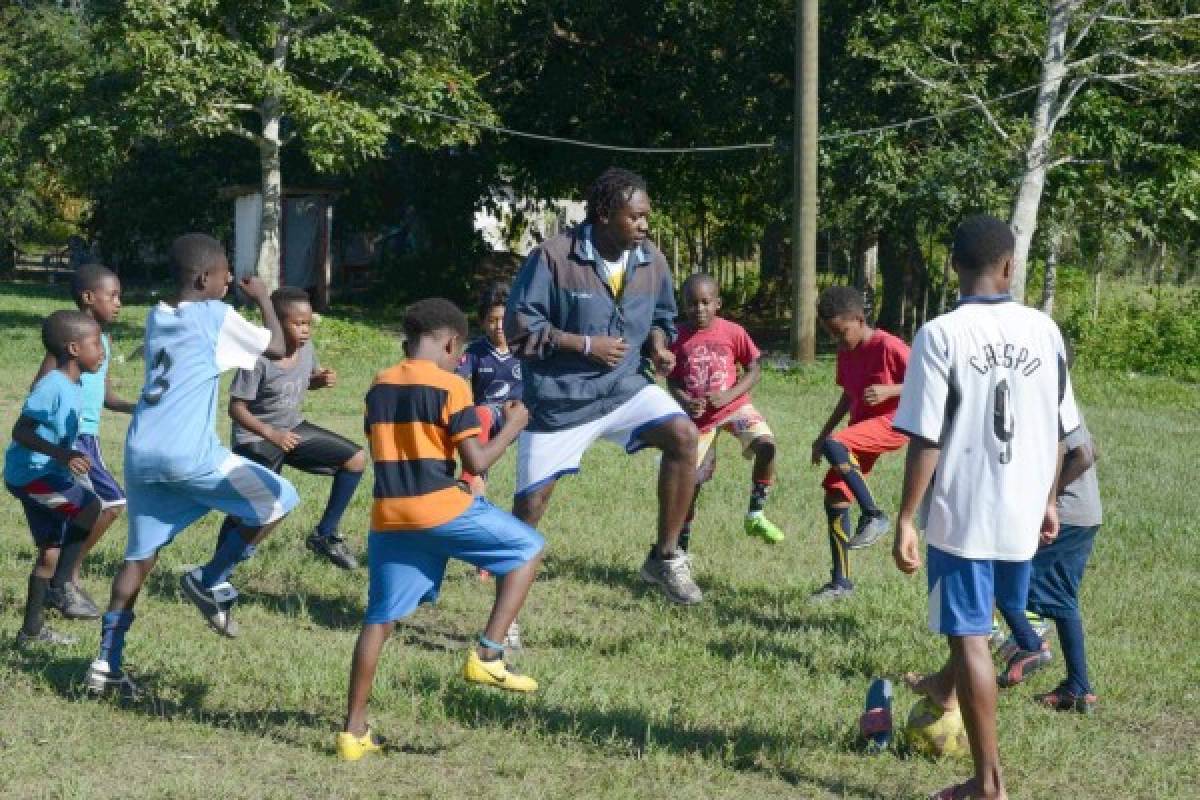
x: 246, y: 491
x: 546, y: 456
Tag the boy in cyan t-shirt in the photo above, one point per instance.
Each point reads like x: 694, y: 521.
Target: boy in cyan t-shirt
x: 97, y: 293
x: 44, y: 470
x: 419, y: 415
x: 176, y: 470
x: 709, y: 355
x: 266, y: 404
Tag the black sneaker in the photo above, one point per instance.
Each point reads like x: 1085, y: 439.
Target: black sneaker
x: 46, y: 635
x: 871, y: 528
x: 72, y: 602
x: 215, y: 604
x: 332, y: 548
x: 832, y: 591
x: 1022, y: 664
x: 101, y: 680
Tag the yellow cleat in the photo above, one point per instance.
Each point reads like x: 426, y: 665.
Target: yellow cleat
x: 495, y: 673
x: 352, y: 748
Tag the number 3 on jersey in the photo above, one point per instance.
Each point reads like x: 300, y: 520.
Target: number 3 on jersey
x: 1003, y: 422
x: 157, y: 383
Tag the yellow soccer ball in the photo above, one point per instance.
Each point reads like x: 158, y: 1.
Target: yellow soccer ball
x: 934, y: 732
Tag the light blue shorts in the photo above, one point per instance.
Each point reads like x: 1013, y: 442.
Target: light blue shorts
x: 406, y: 567
x: 963, y: 591
x: 238, y: 487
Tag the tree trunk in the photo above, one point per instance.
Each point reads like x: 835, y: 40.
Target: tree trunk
x: 269, y: 267
x: 804, y: 176
x: 868, y: 271
x: 1050, y: 280
x: 1037, y: 153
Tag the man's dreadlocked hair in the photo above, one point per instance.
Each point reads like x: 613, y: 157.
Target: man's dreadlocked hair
x: 611, y: 191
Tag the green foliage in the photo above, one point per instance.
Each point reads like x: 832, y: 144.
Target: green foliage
x: 1154, y: 331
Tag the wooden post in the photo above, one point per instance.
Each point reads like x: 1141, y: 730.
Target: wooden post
x: 804, y: 186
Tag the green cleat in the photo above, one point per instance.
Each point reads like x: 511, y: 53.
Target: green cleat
x: 758, y: 525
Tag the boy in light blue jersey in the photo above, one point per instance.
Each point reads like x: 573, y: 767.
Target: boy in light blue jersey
x: 176, y: 470
x: 97, y: 293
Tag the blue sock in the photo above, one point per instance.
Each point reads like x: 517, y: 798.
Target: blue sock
x: 1022, y: 631
x: 844, y: 462
x: 230, y: 552
x: 839, y: 536
x: 112, y: 637
x: 340, y: 495
x: 1070, y: 639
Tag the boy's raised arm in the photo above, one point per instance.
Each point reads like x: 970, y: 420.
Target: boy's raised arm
x: 476, y: 457
x: 256, y: 290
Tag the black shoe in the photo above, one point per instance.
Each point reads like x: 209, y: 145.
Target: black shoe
x: 332, y: 548
x: 72, y: 602
x: 215, y: 604
x: 871, y: 528
x: 102, y: 680
x: 45, y: 636
x: 832, y: 591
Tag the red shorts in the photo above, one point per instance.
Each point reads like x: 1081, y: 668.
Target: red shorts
x: 866, y: 441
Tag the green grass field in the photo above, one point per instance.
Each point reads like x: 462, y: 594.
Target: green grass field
x: 753, y: 694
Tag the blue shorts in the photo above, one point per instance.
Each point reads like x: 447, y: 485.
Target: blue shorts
x: 1058, y: 570
x: 406, y: 567
x: 100, y: 479
x: 50, y: 503
x: 963, y: 591
x: 238, y: 487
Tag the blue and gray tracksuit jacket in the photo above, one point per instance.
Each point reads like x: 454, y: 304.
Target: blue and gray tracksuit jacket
x: 560, y: 289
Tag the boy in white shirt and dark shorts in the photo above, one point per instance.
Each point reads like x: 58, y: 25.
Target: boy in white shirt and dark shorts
x: 986, y: 401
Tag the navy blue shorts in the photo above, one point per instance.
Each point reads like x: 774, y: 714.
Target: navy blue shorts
x: 99, y: 478
x: 963, y: 591
x: 1058, y: 570
x: 406, y: 567
x: 51, y: 503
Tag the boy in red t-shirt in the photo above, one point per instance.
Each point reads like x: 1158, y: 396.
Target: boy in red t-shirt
x: 870, y: 370
x: 705, y: 381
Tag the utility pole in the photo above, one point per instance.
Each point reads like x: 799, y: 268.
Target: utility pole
x: 804, y: 186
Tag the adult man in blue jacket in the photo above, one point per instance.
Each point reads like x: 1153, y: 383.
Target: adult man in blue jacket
x: 586, y: 306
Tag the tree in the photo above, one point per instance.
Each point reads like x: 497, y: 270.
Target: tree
x: 1059, y: 51
x: 336, y: 79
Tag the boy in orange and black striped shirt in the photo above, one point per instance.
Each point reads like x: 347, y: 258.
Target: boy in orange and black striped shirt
x: 419, y: 413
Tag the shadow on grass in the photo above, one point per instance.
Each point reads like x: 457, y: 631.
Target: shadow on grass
x: 65, y: 676
x: 740, y: 748
x: 335, y: 613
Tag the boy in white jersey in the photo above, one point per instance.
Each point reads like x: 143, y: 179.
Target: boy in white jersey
x: 986, y: 400
x: 176, y: 470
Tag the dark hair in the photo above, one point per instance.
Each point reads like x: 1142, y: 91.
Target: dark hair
x: 495, y: 294
x: 62, y: 328
x: 286, y: 296
x: 88, y: 278
x: 838, y: 300
x: 698, y: 279
x: 431, y: 315
x: 612, y: 191
x: 982, y: 242
x: 193, y: 254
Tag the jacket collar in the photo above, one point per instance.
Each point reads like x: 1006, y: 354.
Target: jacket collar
x: 585, y: 251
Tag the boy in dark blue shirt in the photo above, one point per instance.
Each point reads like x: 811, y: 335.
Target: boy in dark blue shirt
x: 487, y: 364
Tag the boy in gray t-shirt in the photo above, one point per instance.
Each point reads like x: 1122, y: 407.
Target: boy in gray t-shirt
x: 1058, y: 570
x: 266, y: 406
